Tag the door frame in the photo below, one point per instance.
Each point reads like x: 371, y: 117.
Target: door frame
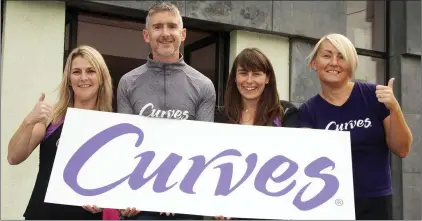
x: 219, y: 37
x: 222, y: 50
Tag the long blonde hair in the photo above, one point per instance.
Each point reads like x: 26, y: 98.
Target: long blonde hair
x: 66, y: 94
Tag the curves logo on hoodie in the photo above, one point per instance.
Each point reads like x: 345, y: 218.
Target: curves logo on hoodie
x: 149, y: 111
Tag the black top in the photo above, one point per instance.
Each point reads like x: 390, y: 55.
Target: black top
x: 37, y: 208
x: 290, y: 118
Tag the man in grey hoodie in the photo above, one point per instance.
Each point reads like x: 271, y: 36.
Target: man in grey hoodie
x: 165, y: 87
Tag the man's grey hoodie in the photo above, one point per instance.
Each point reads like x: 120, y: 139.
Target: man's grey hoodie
x: 167, y: 90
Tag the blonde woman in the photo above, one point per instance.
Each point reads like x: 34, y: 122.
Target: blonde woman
x: 372, y: 115
x: 86, y: 84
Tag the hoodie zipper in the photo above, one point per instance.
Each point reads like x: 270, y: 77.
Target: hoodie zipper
x: 165, y: 87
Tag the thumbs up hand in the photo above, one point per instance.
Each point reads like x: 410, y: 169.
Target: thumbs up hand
x: 385, y: 95
x: 41, y: 113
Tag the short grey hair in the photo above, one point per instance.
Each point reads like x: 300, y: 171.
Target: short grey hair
x: 163, y: 7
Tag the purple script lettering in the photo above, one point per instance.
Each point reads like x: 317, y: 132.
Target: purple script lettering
x: 162, y: 173
x: 88, y: 149
x: 226, y: 174
x: 331, y: 184
x: 266, y: 172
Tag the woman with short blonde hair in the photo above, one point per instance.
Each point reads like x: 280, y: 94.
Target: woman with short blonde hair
x: 370, y: 112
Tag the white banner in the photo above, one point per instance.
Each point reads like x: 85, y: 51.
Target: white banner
x: 118, y: 161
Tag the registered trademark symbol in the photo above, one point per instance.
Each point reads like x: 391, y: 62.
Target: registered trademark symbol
x: 339, y: 202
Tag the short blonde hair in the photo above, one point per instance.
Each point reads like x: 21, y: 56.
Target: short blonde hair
x: 66, y: 94
x: 343, y: 45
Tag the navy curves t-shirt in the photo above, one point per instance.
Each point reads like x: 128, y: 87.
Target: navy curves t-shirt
x: 363, y: 115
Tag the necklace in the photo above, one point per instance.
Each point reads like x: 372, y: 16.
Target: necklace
x: 250, y: 115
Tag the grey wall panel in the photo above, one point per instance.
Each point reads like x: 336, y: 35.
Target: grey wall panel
x: 141, y: 5
x: 413, y: 27
x: 310, y: 18
x: 411, y: 81
x: 256, y: 14
x: 304, y: 82
x: 412, y: 194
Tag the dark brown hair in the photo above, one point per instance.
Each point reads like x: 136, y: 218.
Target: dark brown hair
x: 269, y: 107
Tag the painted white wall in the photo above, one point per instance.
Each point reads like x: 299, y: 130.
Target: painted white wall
x: 33, y: 42
x: 276, y: 48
